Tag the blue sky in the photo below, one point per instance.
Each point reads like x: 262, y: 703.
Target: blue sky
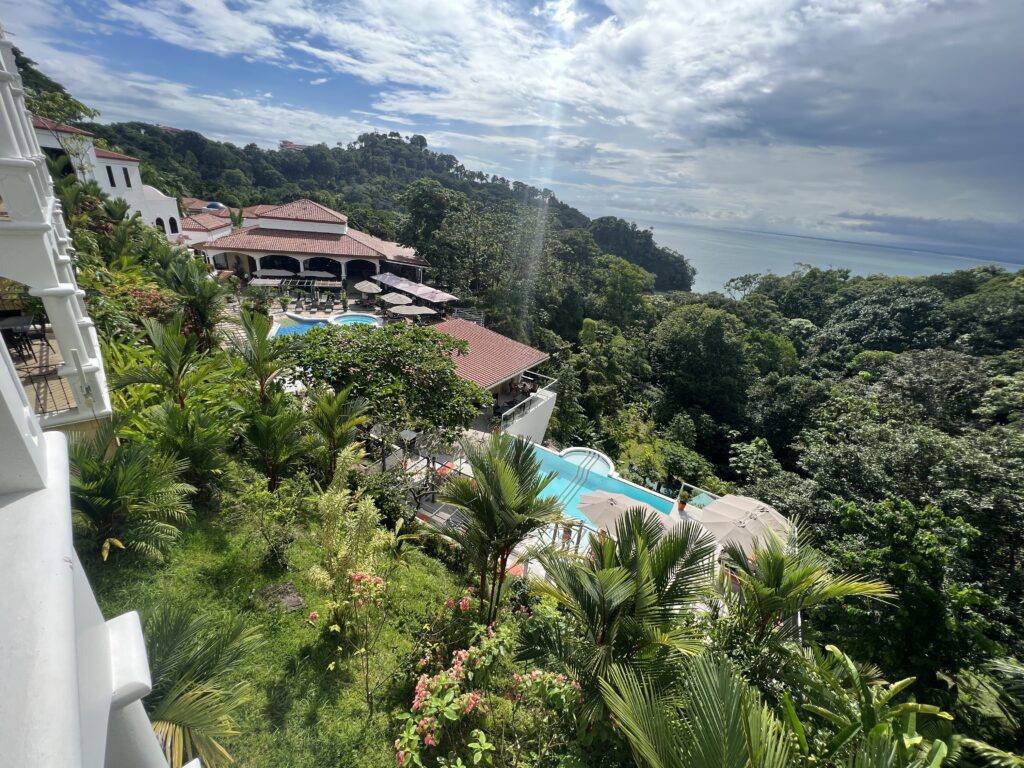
x: 896, y: 121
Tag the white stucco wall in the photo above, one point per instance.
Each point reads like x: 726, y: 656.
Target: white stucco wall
x: 533, y: 425
x: 296, y: 226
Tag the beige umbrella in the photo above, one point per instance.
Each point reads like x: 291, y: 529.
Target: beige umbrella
x: 396, y: 298
x: 411, y: 310
x: 741, y: 520
x: 367, y: 287
x: 603, y: 508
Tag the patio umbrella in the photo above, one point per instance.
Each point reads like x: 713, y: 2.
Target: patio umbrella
x: 367, y: 287
x: 741, y: 520
x: 318, y: 273
x: 603, y: 508
x: 412, y: 311
x: 396, y: 298
x: 274, y: 273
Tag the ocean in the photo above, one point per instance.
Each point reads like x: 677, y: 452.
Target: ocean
x: 720, y: 254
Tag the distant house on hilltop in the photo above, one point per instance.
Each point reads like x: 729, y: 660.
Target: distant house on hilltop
x: 290, y: 146
x: 118, y: 175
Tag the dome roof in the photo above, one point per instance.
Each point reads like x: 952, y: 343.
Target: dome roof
x: 215, y: 204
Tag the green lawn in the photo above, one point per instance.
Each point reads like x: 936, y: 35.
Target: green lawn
x: 301, y: 714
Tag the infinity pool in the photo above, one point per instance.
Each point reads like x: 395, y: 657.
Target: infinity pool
x: 579, y: 471
x: 291, y: 325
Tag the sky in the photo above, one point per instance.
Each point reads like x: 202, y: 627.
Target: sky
x: 890, y: 121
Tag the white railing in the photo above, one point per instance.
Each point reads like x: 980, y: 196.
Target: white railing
x: 546, y: 389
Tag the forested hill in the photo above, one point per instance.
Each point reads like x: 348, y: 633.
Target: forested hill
x: 367, y: 179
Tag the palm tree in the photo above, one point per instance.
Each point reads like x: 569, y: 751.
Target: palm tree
x: 767, y: 588
x: 116, y: 209
x: 203, y: 299
x: 193, y: 659
x: 126, y: 495
x: 177, y: 366
x: 335, y: 418
x: 274, y: 435
x: 260, y: 359
x: 626, y: 601
x: 504, y: 503
x: 717, y: 720
x: 194, y: 435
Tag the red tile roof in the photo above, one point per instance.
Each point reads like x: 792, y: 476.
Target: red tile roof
x: 193, y: 204
x: 106, y: 154
x: 492, y: 358
x: 305, y: 210
x: 46, y: 124
x: 203, y: 222
x: 255, y: 211
x: 287, y: 241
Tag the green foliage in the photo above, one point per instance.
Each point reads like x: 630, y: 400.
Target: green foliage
x: 504, y: 504
x: 126, y: 495
x: 404, y: 372
x: 196, y: 695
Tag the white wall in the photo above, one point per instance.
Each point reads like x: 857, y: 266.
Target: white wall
x: 296, y: 226
x: 533, y: 425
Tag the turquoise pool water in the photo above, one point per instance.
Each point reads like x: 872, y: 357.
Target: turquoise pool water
x: 292, y: 325
x: 573, y: 480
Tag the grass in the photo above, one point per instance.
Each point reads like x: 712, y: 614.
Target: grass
x: 301, y: 715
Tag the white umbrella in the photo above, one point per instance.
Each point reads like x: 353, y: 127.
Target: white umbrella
x: 412, y: 311
x: 318, y: 273
x: 367, y: 287
x: 741, y: 520
x: 396, y: 298
x: 604, y: 508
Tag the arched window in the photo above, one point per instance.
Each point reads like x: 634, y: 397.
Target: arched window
x: 174, y: 224
x: 160, y: 223
x: 110, y: 176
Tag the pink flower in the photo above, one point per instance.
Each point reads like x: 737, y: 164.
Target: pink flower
x: 471, y: 590
x: 464, y: 604
x: 313, y: 616
x: 429, y: 740
x: 401, y: 758
x: 471, y: 702
x: 450, y: 603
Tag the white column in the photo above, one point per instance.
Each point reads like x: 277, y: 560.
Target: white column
x: 344, y: 265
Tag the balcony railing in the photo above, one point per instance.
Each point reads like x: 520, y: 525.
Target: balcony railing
x: 546, y: 387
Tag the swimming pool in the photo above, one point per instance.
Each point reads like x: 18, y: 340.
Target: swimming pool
x: 291, y: 324
x: 579, y: 471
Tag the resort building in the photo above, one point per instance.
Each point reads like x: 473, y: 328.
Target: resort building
x: 118, y: 175
x: 72, y: 683
x: 523, y: 399
x: 306, y: 239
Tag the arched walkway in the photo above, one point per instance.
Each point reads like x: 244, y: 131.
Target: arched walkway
x: 278, y: 261
x: 324, y: 264
x: 360, y: 269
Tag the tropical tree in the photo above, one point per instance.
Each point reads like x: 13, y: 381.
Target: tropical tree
x: 260, y: 359
x: 713, y: 718
x: 203, y: 299
x: 848, y: 705
x: 335, y: 418
x: 177, y: 366
x: 194, y: 435
x: 626, y: 602
x: 504, y: 502
x: 126, y: 494
x: 275, y: 437
x: 765, y: 589
x: 193, y: 659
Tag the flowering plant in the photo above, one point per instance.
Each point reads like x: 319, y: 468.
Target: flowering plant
x: 445, y: 705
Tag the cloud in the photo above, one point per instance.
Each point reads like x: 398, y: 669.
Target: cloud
x: 785, y: 113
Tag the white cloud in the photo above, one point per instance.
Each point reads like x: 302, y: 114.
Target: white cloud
x: 775, y: 110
